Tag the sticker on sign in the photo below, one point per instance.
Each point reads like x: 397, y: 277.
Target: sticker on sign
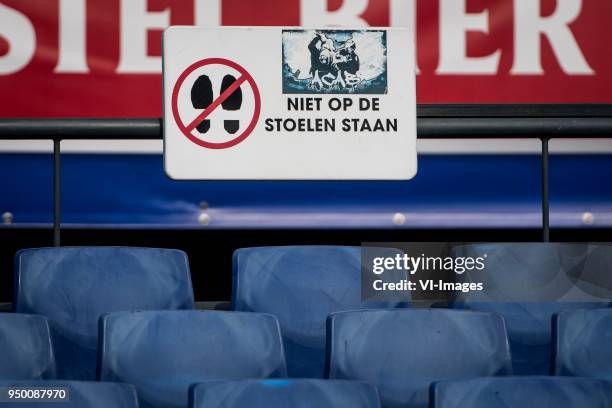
x: 271, y: 103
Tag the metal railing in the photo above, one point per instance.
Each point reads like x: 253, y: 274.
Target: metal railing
x: 472, y: 121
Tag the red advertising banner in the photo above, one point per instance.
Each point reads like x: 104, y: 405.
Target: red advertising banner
x: 101, y: 58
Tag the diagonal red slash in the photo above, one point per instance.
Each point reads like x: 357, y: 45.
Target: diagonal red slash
x: 216, y: 103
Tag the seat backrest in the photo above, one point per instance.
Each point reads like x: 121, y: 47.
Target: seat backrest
x: 79, y: 394
x: 583, y: 343
x: 402, y: 352
x: 163, y: 353
x: 73, y: 286
x: 301, y: 286
x: 294, y: 393
x: 26, y: 352
x: 520, y: 392
x: 527, y: 283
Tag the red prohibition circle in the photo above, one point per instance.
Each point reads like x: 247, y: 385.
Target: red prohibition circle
x: 248, y: 78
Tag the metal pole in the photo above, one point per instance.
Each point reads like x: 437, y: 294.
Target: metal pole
x: 545, y: 196
x: 56, y: 191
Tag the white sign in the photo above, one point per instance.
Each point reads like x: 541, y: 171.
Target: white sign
x: 273, y: 103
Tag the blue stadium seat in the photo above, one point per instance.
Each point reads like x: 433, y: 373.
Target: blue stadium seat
x: 583, y: 343
x: 74, y: 286
x: 528, y: 283
x: 523, y: 391
x: 295, y: 393
x: 80, y: 394
x: 26, y: 352
x: 301, y: 286
x: 163, y: 353
x: 402, y: 352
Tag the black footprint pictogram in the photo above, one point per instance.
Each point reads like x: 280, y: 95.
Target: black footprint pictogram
x: 201, y: 98
x: 232, y: 103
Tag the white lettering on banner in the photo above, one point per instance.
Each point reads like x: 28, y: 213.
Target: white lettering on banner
x: 135, y: 22
x: 403, y: 15
x: 316, y: 13
x: 17, y: 29
x: 528, y: 27
x: 72, y: 37
x: 454, y: 24
x: 208, y: 13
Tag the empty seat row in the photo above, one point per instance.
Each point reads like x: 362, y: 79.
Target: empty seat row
x: 301, y: 286
x: 74, y: 286
x: 164, y: 352
x: 400, y: 352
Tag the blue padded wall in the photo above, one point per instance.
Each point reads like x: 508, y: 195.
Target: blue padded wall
x: 450, y: 191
